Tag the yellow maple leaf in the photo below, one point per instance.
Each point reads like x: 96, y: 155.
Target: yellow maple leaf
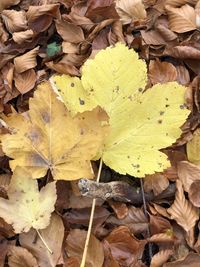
x: 47, y: 137
x: 27, y: 206
x: 141, y: 122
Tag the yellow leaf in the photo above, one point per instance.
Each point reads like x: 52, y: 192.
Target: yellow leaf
x: 26, y: 206
x: 141, y: 123
x: 49, y: 138
x: 193, y: 148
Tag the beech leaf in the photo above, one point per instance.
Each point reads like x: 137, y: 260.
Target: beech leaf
x: 115, y: 80
x: 193, y: 148
x: 26, y: 206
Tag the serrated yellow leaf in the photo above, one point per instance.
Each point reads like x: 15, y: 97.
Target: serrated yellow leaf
x: 26, y: 206
x: 141, y: 122
x: 193, y: 148
x: 48, y: 138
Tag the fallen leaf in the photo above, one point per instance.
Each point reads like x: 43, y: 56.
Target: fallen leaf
x: 152, y: 37
x: 43, y: 143
x: 25, y: 81
x: 183, y: 52
x: 33, y: 208
x: 156, y: 182
x: 183, y: 76
x: 7, y: 3
x: 53, y: 236
x: 161, y: 72
x: 124, y: 247
x: 181, y: 19
x: 69, y: 32
x: 130, y: 10
x: 152, y: 128
x: 159, y: 224
x: 160, y: 258
x: 20, y: 37
x: 26, y: 61
x: 188, y: 173
x: 182, y: 210
x: 193, y: 193
x: 14, y: 21
x: 121, y: 210
x: 191, y: 260
x: 20, y: 257
x: 109, y: 261
x: 95, y: 254
x: 193, y: 147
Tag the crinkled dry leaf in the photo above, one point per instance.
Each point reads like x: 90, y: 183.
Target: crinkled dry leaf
x: 133, y: 141
x: 7, y: 3
x: 161, y: 72
x: 130, y: 10
x: 33, y: 208
x: 42, y: 142
x: 178, y: 3
x: 4, y: 183
x: 25, y: 81
x: 188, y: 173
x: 193, y: 148
x: 191, y: 260
x: 109, y: 261
x: 166, y: 237
x: 124, y: 247
x: 183, y: 76
x: 69, y: 32
x: 183, y: 52
x: 182, y: 211
x: 95, y: 254
x: 159, y: 224
x: 181, y: 19
x: 53, y: 236
x: 160, y: 258
x: 15, y: 21
x: 26, y: 61
x: 152, y: 38
x: 20, y: 37
x: 193, y: 193
x: 20, y: 257
x: 156, y: 182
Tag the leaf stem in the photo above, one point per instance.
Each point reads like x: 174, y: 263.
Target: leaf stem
x: 44, y: 242
x: 83, y: 261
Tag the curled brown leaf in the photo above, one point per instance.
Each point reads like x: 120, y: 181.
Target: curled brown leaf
x: 160, y: 258
x: 182, y: 211
x: 20, y: 37
x: 14, y: 20
x: 25, y: 81
x: 26, y: 61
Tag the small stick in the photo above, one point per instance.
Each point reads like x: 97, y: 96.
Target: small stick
x: 83, y: 261
x: 147, y: 216
x: 44, y: 242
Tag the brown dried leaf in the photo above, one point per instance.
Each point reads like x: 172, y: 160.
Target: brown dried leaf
x: 7, y: 3
x: 160, y: 258
x: 181, y: 19
x: 156, y: 182
x: 3, y: 251
x: 6, y: 229
x: 183, y: 76
x: 121, y: 210
x: 152, y: 37
x: 25, y: 81
x: 193, y: 193
x: 3, y: 34
x: 183, y: 52
x: 191, y: 260
x: 95, y: 254
x: 188, y: 173
x: 40, y: 17
x: 69, y: 32
x: 14, y: 20
x: 162, y: 238
x: 26, y: 61
x: 182, y: 210
x: 135, y: 220
x: 124, y: 247
x: 21, y: 257
x: 178, y: 3
x: 20, y: 37
x: 109, y: 261
x: 53, y: 235
x: 63, y: 68
x: 130, y: 10
x: 4, y: 183
x: 159, y: 224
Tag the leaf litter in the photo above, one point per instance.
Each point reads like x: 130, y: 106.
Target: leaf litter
x: 41, y: 39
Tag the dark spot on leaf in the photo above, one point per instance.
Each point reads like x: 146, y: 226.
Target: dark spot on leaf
x: 166, y: 134
x: 82, y: 102
x: 130, y: 98
x: 82, y: 132
x: 166, y: 106
x: 128, y: 157
x: 59, y: 90
x: 72, y: 84
x: 136, y: 166
x: 166, y: 99
x: 45, y: 116
x: 148, y: 118
x: 37, y: 160
x: 159, y: 164
x: 159, y: 121
x: 183, y: 106
x: 162, y: 112
x: 92, y: 90
x: 41, y: 216
x: 138, y: 171
x: 140, y: 89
